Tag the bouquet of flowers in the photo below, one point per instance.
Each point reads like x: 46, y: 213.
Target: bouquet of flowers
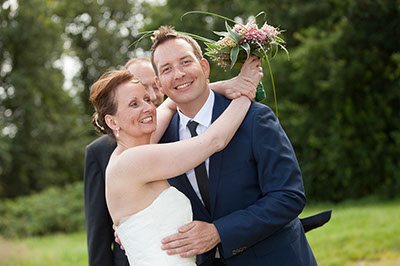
x: 238, y: 43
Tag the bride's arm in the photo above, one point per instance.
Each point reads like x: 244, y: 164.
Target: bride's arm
x: 165, y: 112
x: 161, y: 161
x: 243, y: 84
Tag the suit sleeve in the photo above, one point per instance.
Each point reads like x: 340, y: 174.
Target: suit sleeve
x: 282, y: 193
x: 100, y: 234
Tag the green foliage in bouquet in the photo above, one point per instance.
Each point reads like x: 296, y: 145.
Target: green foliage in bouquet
x: 237, y: 43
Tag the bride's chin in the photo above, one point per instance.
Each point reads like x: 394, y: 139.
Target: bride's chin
x: 150, y: 131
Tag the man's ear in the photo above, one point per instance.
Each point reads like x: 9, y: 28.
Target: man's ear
x: 205, y: 66
x: 111, y: 122
x: 158, y: 83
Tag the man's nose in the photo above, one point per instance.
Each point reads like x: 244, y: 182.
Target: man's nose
x: 152, y: 94
x: 179, y: 73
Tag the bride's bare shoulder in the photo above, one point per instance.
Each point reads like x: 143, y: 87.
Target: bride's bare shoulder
x: 132, y: 159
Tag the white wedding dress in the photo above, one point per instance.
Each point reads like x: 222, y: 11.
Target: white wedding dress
x: 141, y: 233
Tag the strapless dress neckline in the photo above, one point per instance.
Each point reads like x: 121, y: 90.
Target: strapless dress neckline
x: 123, y: 219
x: 142, y: 232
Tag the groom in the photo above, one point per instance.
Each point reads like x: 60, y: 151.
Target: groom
x: 247, y: 212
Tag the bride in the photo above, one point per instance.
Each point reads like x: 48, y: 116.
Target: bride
x: 143, y: 206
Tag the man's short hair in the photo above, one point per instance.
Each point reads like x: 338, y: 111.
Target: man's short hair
x: 165, y: 33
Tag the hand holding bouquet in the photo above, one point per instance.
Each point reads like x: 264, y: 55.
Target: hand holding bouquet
x: 241, y: 41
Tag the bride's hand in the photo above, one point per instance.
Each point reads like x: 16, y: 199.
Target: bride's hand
x: 244, y: 84
x: 247, y: 81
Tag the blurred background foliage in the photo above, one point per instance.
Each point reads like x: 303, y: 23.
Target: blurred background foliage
x: 50, y: 211
x: 338, y: 95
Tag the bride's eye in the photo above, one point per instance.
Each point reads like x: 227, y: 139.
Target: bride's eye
x: 165, y: 70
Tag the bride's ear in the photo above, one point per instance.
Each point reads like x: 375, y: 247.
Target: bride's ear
x: 111, y: 122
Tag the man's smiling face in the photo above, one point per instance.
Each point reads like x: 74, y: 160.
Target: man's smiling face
x: 180, y: 74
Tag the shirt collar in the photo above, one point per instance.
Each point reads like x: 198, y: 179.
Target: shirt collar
x: 203, y: 117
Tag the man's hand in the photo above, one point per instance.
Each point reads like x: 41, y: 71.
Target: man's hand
x: 193, y: 238
x: 117, y: 238
x: 246, y: 82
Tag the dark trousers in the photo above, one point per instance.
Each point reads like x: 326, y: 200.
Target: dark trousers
x: 215, y: 262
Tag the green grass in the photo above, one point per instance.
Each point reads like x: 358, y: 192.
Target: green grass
x: 365, y: 232
x: 50, y: 250
x: 359, y: 233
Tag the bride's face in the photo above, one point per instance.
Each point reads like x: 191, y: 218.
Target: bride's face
x: 136, y: 114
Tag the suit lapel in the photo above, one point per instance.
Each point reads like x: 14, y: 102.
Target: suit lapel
x: 172, y: 132
x: 220, y: 105
x: 182, y: 183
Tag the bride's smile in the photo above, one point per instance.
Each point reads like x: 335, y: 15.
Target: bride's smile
x: 146, y: 120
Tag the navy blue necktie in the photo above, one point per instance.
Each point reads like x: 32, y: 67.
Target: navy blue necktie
x: 200, y: 171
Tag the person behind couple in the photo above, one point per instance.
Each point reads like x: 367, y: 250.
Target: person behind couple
x: 102, y: 249
x: 142, y: 69
x: 255, y: 185
x: 138, y: 196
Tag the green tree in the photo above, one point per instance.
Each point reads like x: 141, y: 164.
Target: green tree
x: 44, y: 128
x: 39, y: 120
x: 338, y: 96
x: 98, y: 34
x: 343, y: 107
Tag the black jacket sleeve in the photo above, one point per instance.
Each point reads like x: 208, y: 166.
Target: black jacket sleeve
x: 102, y: 250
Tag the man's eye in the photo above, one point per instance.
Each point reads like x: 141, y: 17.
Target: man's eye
x: 155, y: 87
x: 186, y: 62
x: 147, y: 100
x: 133, y: 104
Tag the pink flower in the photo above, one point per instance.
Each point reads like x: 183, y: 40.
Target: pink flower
x: 252, y: 26
x: 238, y: 28
x: 263, y: 36
x: 270, y: 31
x: 253, y: 31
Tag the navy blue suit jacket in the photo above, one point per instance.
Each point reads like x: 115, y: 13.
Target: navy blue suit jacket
x: 256, y: 192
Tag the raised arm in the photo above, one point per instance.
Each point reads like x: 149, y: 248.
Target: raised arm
x: 173, y: 159
x: 165, y: 112
x: 243, y: 84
